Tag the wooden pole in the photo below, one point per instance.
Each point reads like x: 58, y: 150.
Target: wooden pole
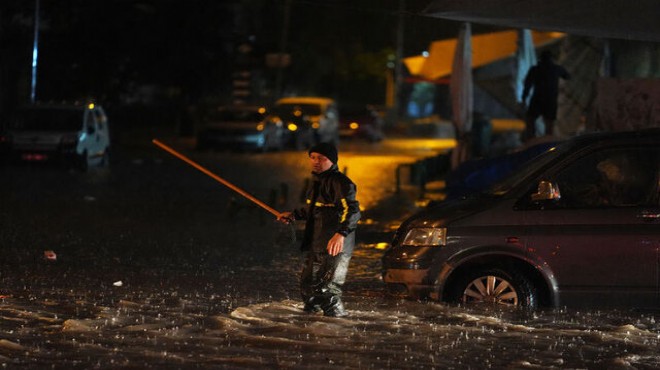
x: 216, y: 177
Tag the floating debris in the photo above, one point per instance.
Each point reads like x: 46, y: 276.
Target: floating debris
x: 50, y: 255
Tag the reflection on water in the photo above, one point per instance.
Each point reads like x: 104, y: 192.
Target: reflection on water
x: 251, y: 318
x: 202, y: 287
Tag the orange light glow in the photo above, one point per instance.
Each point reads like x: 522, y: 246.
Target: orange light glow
x: 424, y: 144
x: 292, y: 126
x: 486, y: 49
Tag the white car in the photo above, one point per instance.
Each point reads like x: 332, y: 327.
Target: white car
x: 78, y: 135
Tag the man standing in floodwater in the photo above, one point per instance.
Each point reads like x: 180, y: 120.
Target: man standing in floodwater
x: 543, y: 80
x: 331, y: 214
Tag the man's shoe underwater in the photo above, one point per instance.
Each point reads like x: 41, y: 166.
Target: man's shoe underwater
x: 336, y: 311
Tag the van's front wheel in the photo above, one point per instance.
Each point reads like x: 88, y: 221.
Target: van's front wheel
x: 495, y: 286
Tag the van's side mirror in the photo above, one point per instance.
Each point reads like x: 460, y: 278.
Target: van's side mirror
x: 546, y: 190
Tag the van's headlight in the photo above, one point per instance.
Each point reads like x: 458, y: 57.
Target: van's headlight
x: 426, y: 237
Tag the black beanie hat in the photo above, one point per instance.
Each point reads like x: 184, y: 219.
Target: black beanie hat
x: 327, y: 149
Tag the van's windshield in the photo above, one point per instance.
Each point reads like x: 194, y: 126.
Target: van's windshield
x: 530, y: 167
x: 48, y: 119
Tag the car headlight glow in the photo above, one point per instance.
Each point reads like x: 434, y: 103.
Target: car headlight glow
x: 426, y: 237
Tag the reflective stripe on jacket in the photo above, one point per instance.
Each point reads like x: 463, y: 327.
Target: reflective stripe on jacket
x: 335, y: 210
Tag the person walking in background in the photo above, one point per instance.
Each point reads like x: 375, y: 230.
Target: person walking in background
x: 331, y: 214
x: 543, y: 81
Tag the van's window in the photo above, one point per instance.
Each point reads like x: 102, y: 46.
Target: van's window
x: 100, y: 118
x: 532, y: 166
x: 48, y: 119
x: 90, y: 120
x: 619, y: 177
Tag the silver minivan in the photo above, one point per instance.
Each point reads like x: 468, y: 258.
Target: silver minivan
x: 75, y: 134
x: 579, y: 225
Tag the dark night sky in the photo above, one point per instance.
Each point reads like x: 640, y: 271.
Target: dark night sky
x: 105, y: 48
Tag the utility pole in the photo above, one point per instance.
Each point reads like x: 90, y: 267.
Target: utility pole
x: 283, y: 45
x: 398, y: 67
x: 35, y: 54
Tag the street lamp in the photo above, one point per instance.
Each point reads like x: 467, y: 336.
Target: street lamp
x: 35, y: 53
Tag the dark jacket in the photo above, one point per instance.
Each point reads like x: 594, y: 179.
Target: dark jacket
x: 333, y: 209
x: 543, y: 79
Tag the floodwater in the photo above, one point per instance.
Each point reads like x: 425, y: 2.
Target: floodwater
x: 152, y: 265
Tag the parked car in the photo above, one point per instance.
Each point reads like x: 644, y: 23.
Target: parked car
x: 240, y: 127
x: 577, y: 226
x: 361, y: 122
x: 319, y: 113
x: 299, y: 133
x: 75, y: 134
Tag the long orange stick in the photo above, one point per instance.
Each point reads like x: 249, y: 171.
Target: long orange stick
x: 216, y: 177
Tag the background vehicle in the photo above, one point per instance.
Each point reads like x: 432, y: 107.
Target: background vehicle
x: 316, y: 112
x: 360, y: 121
x: 240, y: 127
x: 299, y: 133
x: 578, y: 225
x: 76, y: 134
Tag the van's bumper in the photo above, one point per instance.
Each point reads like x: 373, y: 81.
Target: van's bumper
x: 409, y: 282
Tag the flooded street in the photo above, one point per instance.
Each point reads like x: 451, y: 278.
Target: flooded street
x: 151, y: 264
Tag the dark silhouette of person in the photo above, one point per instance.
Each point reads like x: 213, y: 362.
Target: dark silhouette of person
x: 543, y: 81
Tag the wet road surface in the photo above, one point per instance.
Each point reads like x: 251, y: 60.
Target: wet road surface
x: 157, y: 266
